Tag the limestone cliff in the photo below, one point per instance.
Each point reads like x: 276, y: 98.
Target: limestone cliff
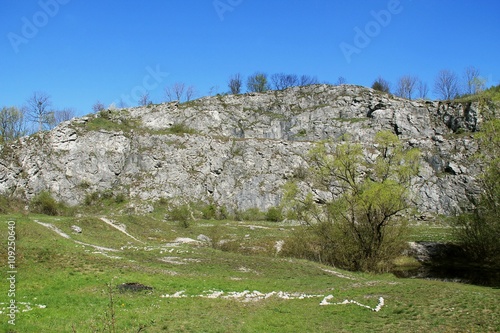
x: 238, y: 150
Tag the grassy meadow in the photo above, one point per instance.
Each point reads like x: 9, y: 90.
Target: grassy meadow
x: 66, y: 283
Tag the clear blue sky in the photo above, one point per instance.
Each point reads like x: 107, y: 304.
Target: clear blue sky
x: 83, y: 51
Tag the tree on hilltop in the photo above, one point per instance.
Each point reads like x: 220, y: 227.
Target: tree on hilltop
x: 38, y: 109
x: 235, y: 83
x: 406, y: 85
x: 446, y: 85
x: 382, y: 85
x: 12, y: 125
x: 258, y: 83
x: 282, y: 81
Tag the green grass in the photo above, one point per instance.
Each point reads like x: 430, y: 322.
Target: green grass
x: 70, y: 280
x: 491, y: 94
x: 430, y: 233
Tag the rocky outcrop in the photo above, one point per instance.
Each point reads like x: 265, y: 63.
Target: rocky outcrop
x: 238, y: 150
x: 434, y: 253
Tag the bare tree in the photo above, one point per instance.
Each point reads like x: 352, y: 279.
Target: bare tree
x: 122, y: 104
x: 381, y: 84
x: 473, y: 82
x: 169, y: 94
x: 258, y: 83
x: 406, y: 86
x: 446, y: 85
x: 235, y: 82
x: 423, y: 89
x: 283, y: 81
x: 340, y: 81
x: 190, y: 92
x: 98, y: 106
x: 213, y: 90
x: 12, y: 124
x: 178, y: 89
x: 179, y: 92
x: 144, y: 99
x: 37, y: 108
x: 307, y: 80
x: 64, y: 115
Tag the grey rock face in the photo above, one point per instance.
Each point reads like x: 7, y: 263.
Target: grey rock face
x: 238, y: 151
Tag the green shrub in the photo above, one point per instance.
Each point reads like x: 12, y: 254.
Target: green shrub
x: 208, y: 212
x: 4, y: 205
x: 120, y: 198
x: 181, y: 129
x: 229, y: 246
x: 44, y: 203
x: 91, y: 198
x: 300, y: 173
x: 11, y: 205
x: 302, y: 133
x: 274, y: 214
x: 211, y: 211
x: 106, y: 197
x: 182, y: 214
x: 223, y: 213
x: 478, y: 232
x: 302, y: 244
x: 251, y: 214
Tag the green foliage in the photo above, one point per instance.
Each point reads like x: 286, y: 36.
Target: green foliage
x: 181, y: 214
x: 381, y: 85
x: 356, y: 224
x: 11, y: 124
x: 99, y: 199
x: 274, y: 214
x: 111, y: 120
x: 180, y: 128
x: 209, y: 212
x: 303, y: 243
x: 250, y: 214
x: 120, y: 198
x: 492, y: 94
x: 44, y: 203
x: 478, y: 232
x: 258, y: 83
x: 302, y: 133
x: 185, y: 213
x: 91, y: 198
x: 10, y: 205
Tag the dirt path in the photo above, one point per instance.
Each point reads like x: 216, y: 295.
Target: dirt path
x: 119, y: 228
x: 64, y: 235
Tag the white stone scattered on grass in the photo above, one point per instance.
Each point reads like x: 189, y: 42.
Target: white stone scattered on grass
x: 76, y: 229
